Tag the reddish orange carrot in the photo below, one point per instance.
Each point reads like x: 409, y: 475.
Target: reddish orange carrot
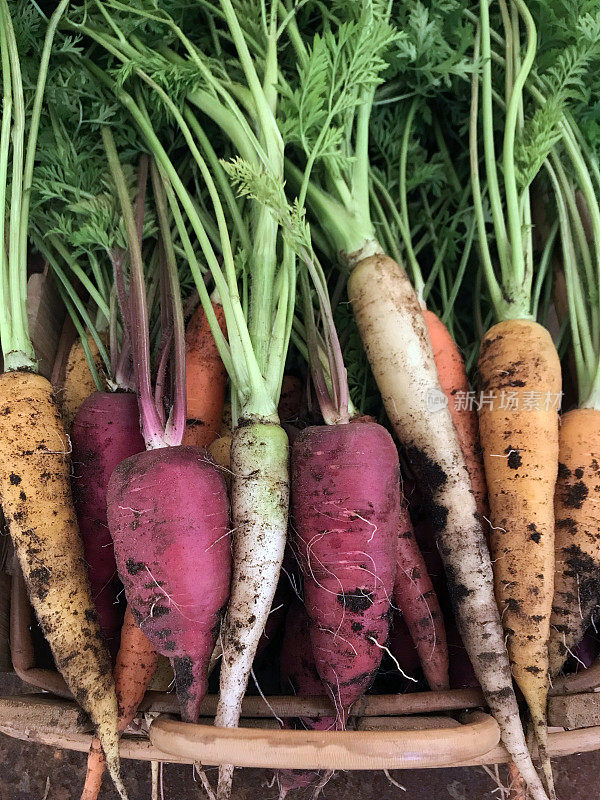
x: 454, y: 384
x: 135, y: 666
x: 206, y: 379
x: 517, y: 786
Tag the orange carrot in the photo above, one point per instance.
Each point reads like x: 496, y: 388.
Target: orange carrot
x: 135, y: 666
x: 455, y: 386
x: 519, y: 435
x: 78, y: 382
x: 206, y: 379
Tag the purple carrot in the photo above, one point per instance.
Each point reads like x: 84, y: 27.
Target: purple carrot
x: 105, y: 431
x: 461, y: 672
x: 402, y: 647
x: 169, y: 517
x: 415, y: 597
x: 346, y: 506
x: 299, y: 676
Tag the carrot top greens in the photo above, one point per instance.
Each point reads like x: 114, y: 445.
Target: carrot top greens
x: 258, y: 320
x: 21, y: 109
x: 534, y: 108
x: 544, y: 148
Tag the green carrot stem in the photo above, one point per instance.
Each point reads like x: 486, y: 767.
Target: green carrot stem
x: 221, y: 178
x: 5, y: 315
x: 488, y: 141
x: 403, y: 161
x: 76, y: 302
x: 520, y: 281
x: 581, y: 341
x: 486, y: 257
x: 14, y: 326
x: 544, y: 267
x: 451, y: 173
x: 34, y: 125
x: 405, y: 234
x: 382, y: 224
x: 460, y: 273
x: 582, y: 245
x: 60, y: 247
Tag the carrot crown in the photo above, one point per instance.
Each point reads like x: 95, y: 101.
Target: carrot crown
x: 157, y: 431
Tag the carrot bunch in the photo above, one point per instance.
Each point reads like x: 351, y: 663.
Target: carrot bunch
x: 348, y: 198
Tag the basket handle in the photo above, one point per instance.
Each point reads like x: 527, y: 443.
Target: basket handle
x: 290, y: 749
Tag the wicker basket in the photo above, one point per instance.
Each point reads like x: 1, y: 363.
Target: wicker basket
x: 388, y: 731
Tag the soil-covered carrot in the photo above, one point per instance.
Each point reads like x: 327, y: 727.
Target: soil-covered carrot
x: 577, y: 532
x: 37, y: 504
x: 393, y: 329
x: 167, y: 510
x: 135, y: 665
x: 415, y: 597
x: 35, y: 490
x: 520, y: 447
x: 206, y: 379
x: 346, y: 520
x: 577, y: 513
x: 520, y: 383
